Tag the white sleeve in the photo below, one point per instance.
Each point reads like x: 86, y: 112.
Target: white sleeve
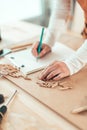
x: 78, y: 60
x: 57, y: 24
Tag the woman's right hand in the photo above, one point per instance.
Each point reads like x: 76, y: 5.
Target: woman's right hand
x: 44, y: 50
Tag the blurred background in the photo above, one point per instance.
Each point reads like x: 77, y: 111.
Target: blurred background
x: 35, y: 11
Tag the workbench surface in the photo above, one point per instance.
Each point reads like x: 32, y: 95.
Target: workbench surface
x: 54, y: 103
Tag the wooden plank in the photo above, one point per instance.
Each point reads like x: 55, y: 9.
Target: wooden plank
x: 24, y: 112
x: 61, y: 102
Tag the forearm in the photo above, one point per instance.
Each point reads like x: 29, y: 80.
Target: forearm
x: 57, y: 24
x: 78, y: 60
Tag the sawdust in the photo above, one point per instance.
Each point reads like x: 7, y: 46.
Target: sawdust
x: 9, y: 70
x: 62, y: 85
x: 65, y: 85
x: 47, y: 84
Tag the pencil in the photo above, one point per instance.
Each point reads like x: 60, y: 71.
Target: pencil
x: 40, y: 43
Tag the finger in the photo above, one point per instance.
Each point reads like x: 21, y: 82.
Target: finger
x: 34, y: 49
x: 53, y: 74
x: 47, y: 71
x: 60, y: 76
x: 44, y: 51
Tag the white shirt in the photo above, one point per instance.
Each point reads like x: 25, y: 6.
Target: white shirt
x: 57, y: 25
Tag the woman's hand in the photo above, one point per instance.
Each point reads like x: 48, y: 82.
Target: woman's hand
x: 45, y: 50
x: 55, y: 71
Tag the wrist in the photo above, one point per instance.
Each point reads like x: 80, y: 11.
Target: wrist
x: 74, y: 64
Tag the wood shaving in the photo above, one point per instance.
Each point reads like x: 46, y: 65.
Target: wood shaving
x: 47, y: 84
x: 7, y: 69
x: 82, y: 107
x: 63, y: 85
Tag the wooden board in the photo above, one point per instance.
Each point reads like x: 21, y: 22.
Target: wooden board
x: 23, y: 113
x: 61, y: 102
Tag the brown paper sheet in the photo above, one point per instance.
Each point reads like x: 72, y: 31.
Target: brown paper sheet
x: 61, y: 102
x: 21, y: 116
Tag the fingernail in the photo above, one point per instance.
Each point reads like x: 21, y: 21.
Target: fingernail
x: 57, y: 78
x: 48, y: 78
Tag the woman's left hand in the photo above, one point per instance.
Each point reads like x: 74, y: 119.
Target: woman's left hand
x: 55, y: 71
